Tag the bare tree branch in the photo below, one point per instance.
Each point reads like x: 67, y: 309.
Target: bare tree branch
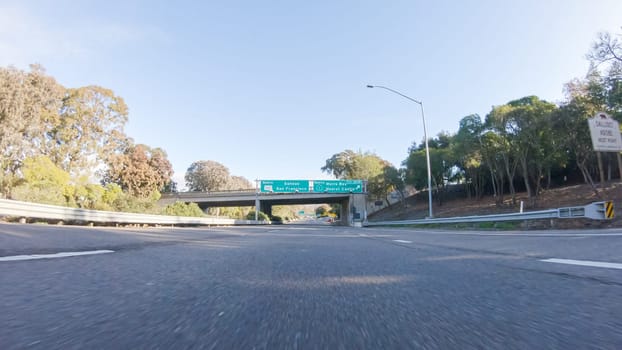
x: 607, y: 48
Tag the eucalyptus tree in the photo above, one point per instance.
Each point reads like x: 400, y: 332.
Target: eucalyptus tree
x: 443, y: 164
x: 140, y: 170
x: 206, y: 176
x: 607, y: 49
x: 496, y: 121
x: 467, y: 148
x: 29, y: 101
x: 394, y: 180
x: 415, y: 165
x: 524, y: 124
x: 88, y: 130
x: 605, y: 57
x: 613, y: 85
x: 584, y: 98
x: 344, y: 165
x: 358, y: 165
x: 494, y: 152
x: 239, y: 183
x: 354, y: 165
x: 571, y: 122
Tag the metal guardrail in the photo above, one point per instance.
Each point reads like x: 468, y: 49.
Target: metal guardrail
x: 596, y: 211
x: 20, y: 209
x: 11, y: 208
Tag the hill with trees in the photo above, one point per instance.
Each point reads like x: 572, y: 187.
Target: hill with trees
x: 526, y: 145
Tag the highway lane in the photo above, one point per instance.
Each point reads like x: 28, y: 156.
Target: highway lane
x: 308, y: 287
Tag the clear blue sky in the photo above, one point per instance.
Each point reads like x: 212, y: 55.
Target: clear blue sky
x: 271, y: 89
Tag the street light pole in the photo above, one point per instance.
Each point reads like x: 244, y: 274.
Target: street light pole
x: 257, y: 204
x: 425, y: 136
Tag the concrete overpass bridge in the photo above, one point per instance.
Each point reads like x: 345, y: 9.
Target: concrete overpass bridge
x: 352, y: 204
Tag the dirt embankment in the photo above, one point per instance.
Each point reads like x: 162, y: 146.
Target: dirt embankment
x: 456, y: 204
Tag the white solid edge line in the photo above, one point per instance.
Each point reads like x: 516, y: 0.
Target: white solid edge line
x: 401, y: 241
x: 52, y: 256
x: 585, y: 263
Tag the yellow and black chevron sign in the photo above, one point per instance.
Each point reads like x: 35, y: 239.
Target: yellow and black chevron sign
x: 609, y: 213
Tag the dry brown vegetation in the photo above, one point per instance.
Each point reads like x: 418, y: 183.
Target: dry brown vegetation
x: 575, y: 195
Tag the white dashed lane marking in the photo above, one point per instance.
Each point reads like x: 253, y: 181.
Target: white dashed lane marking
x: 607, y: 265
x: 401, y: 241
x: 52, y: 256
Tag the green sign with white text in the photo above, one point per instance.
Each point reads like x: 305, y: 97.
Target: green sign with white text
x: 311, y: 186
x: 338, y: 186
x: 284, y: 186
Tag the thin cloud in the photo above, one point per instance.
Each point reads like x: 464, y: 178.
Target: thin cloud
x: 27, y: 38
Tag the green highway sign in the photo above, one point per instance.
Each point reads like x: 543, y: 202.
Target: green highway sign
x: 284, y: 186
x: 315, y: 186
x: 338, y: 186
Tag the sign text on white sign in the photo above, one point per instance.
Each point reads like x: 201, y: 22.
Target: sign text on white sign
x: 605, y: 133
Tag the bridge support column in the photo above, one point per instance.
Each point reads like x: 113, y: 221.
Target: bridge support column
x: 266, y: 208
x: 345, y: 212
x: 353, y: 210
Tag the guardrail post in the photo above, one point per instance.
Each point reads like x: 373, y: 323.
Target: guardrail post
x: 609, y: 212
x: 600, y: 210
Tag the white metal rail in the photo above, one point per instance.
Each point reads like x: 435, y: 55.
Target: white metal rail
x: 594, y: 211
x: 11, y: 208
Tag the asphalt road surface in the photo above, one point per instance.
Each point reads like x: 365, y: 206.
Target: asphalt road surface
x: 309, y: 287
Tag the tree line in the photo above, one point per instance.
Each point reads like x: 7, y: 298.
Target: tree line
x: 526, y: 144
x: 67, y: 146
x: 54, y: 141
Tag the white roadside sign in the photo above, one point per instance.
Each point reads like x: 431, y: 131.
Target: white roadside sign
x: 605, y: 133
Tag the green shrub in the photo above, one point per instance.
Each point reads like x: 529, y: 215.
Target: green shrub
x: 261, y: 216
x: 26, y: 193
x: 183, y: 209
x: 486, y: 224
x: 506, y: 225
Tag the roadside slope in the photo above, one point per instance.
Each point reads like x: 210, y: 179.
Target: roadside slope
x: 456, y: 204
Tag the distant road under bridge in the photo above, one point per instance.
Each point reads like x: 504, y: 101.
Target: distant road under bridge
x: 352, y: 204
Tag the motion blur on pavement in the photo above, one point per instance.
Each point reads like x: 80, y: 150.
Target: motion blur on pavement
x: 308, y: 287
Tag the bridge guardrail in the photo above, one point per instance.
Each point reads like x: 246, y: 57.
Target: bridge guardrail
x: 595, y: 211
x: 20, y: 209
